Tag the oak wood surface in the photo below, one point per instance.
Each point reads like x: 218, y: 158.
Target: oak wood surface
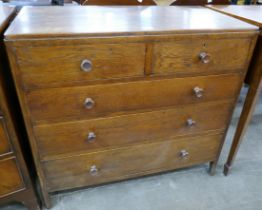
x: 10, y: 177
x: 148, y: 95
x: 129, y: 162
x: 64, y: 104
x: 5, y: 146
x: 15, y: 181
x: 132, y: 20
x: 251, y: 14
x: 118, y: 2
x: 70, y: 138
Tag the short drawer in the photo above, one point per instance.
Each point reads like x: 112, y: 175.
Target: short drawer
x: 44, y: 66
x: 5, y: 146
x: 10, y: 177
x: 205, y: 56
x: 112, y: 165
x: 83, y: 102
x: 103, y: 133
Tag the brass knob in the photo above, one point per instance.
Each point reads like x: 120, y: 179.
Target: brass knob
x: 204, y: 57
x: 183, y: 153
x: 93, y: 170
x: 86, y: 65
x: 198, y: 92
x: 190, y: 122
x: 89, y: 103
x: 91, y: 136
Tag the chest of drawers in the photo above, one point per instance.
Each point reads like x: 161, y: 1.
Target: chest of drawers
x: 15, y: 181
x: 110, y: 93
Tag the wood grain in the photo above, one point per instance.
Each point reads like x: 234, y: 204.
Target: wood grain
x: 71, y: 138
x: 61, y: 64
x: 5, y: 146
x: 129, y: 162
x: 95, y: 21
x: 182, y: 57
x: 64, y: 104
x: 11, y: 180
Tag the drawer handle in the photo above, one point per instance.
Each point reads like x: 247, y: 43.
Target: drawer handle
x: 91, y: 136
x: 204, y: 57
x: 190, y: 122
x: 93, y: 170
x: 86, y: 65
x: 89, y: 103
x: 198, y: 92
x: 184, y: 153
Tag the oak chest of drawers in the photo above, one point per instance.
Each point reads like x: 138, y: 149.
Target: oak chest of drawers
x: 15, y: 181
x: 110, y: 93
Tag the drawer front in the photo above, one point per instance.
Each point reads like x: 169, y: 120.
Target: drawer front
x: 67, y: 64
x: 5, y: 146
x: 206, y: 56
x: 103, y: 133
x: 85, y: 102
x: 11, y: 180
x: 112, y: 165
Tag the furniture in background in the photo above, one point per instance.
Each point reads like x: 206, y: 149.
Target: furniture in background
x: 15, y: 183
x: 125, y: 95
x: 253, y: 15
x: 118, y: 2
x: 200, y: 2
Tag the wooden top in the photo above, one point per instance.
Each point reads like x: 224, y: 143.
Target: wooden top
x: 249, y: 13
x: 43, y: 22
x: 6, y: 13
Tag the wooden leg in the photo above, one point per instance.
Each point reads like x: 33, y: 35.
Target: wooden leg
x: 248, y: 109
x: 212, y: 168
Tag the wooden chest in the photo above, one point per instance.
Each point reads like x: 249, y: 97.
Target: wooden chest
x: 15, y: 181
x: 110, y: 93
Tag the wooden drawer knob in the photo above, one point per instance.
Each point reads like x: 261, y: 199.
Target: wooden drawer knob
x: 89, y: 103
x: 198, y: 92
x: 93, y: 170
x: 86, y: 65
x: 183, y: 154
x: 91, y: 136
x: 190, y: 122
x: 204, y: 57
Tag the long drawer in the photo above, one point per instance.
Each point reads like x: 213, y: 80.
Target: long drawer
x: 10, y: 178
x: 112, y: 165
x: 69, y: 63
x: 103, y: 133
x: 206, y: 56
x: 85, y: 102
x: 5, y: 146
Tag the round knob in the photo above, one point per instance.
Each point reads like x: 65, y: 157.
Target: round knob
x: 204, y: 57
x: 183, y: 153
x: 89, y: 103
x: 86, y: 65
x: 91, y: 136
x: 190, y: 122
x: 198, y: 92
x: 93, y: 170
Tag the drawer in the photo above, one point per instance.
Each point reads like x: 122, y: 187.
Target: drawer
x: 10, y: 177
x: 5, y: 146
x: 83, y: 102
x: 103, y: 133
x: 69, y: 64
x: 112, y: 165
x: 205, y: 56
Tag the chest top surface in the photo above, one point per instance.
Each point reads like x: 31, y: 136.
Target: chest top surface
x: 251, y: 13
x: 5, y: 14
x: 88, y: 21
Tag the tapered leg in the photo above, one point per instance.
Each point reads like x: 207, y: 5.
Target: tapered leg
x: 212, y: 168
x: 248, y: 109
